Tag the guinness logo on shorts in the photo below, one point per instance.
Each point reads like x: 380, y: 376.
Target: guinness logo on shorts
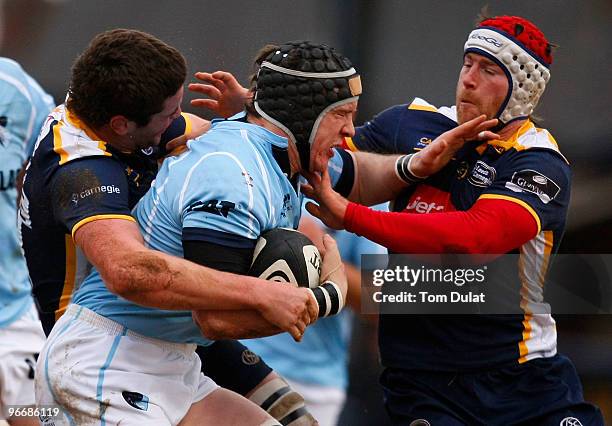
x: 249, y: 358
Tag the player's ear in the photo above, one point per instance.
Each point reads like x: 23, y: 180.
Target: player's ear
x: 119, y: 124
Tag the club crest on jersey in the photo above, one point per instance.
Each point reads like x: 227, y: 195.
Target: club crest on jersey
x: 482, y: 175
x: 534, y: 182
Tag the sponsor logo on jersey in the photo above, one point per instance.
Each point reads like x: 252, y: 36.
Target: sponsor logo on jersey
x: 217, y: 207
x: 423, y: 207
x: 102, y: 189
x: 423, y: 142
x: 482, y: 175
x: 534, y: 182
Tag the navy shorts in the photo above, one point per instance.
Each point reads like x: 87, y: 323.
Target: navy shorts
x: 544, y: 391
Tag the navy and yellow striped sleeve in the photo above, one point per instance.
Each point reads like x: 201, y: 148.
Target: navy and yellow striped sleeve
x: 538, y: 180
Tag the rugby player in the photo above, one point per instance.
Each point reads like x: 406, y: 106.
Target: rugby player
x: 23, y: 109
x: 509, y: 194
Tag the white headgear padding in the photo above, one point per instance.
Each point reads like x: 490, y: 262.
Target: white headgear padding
x: 527, y: 76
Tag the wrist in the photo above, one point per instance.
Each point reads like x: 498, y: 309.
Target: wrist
x: 407, y: 170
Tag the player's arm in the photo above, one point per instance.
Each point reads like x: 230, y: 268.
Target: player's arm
x: 101, y: 226
x: 378, y: 178
x: 229, y: 324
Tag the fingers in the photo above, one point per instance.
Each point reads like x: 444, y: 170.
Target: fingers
x: 295, y: 333
x: 486, y: 135
x: 210, y: 104
x: 307, y: 190
x: 313, y: 308
x: 205, y: 89
x: 313, y: 209
x: 217, y: 79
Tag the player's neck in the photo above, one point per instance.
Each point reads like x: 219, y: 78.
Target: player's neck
x: 510, y: 129
x: 120, y: 143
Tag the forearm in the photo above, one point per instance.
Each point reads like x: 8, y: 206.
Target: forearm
x: 490, y: 227
x: 217, y: 325
x: 375, y: 178
x: 162, y: 281
x: 155, y: 279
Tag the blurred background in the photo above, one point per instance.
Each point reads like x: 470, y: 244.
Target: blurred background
x: 402, y: 49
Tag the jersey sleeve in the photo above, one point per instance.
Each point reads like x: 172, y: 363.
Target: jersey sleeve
x: 538, y: 180
x: 219, y: 204
x: 90, y: 189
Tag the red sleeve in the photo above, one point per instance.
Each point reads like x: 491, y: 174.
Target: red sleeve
x: 491, y: 226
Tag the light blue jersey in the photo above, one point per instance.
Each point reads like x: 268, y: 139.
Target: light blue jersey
x: 227, y: 183
x: 321, y: 358
x: 23, y: 108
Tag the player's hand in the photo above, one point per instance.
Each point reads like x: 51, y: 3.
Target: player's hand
x: 226, y: 96
x: 289, y: 308
x: 178, y: 145
x: 332, y: 206
x: 332, y: 268
x: 439, y: 152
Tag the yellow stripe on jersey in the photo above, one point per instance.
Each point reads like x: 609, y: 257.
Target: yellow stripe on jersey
x: 100, y: 217
x: 523, y: 350
x: 69, y: 277
x: 417, y: 107
x: 188, y: 123
x: 517, y: 201
x: 351, y: 145
x: 57, y: 143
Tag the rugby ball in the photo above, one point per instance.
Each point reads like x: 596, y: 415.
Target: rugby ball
x: 286, y: 255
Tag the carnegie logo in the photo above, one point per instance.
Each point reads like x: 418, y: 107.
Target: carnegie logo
x: 534, y: 182
x: 102, y: 189
x: 423, y: 207
x: 482, y: 175
x: 490, y: 40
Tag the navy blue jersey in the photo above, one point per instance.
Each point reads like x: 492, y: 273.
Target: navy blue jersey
x: 527, y: 169
x: 73, y: 178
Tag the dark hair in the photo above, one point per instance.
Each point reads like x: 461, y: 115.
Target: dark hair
x: 124, y: 72
x: 263, y: 53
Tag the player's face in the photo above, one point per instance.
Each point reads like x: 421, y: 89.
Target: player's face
x: 481, y: 89
x: 335, y: 125
x: 150, y: 134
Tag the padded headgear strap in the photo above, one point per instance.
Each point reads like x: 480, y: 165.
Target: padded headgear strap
x: 298, y: 84
x: 522, y: 51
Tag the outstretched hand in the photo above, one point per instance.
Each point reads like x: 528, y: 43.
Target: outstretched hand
x: 332, y: 206
x: 439, y: 152
x: 226, y: 96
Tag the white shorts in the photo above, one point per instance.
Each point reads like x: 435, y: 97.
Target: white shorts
x: 99, y: 372
x: 323, y: 402
x: 20, y: 344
